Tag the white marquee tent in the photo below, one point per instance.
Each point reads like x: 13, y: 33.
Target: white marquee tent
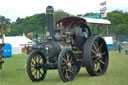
x: 17, y: 42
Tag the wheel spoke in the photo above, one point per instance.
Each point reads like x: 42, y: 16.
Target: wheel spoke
x: 96, y: 66
x: 41, y: 61
x: 72, y: 62
x: 70, y: 58
x: 64, y: 71
x: 100, y: 47
x: 35, y: 59
x: 97, y: 44
x: 70, y: 70
x: 33, y: 70
x: 66, y: 75
x: 103, y: 54
x: 100, y: 69
x: 93, y: 57
x: 95, y: 47
x: 40, y: 73
x: 64, y: 67
x: 67, y: 55
x: 93, y: 62
x: 39, y: 58
x: 65, y: 61
x: 35, y: 74
x: 101, y: 61
x: 93, y: 51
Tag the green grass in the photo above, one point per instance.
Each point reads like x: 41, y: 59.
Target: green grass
x: 13, y: 73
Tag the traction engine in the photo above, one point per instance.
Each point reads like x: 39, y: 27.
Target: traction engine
x: 67, y: 47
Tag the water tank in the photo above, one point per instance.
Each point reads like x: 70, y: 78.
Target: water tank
x: 7, y: 50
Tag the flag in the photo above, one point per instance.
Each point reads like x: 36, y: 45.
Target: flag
x: 104, y: 15
x: 103, y: 3
x: 29, y: 34
x: 103, y: 9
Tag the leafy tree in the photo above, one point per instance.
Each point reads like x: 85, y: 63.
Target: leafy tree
x: 79, y: 15
x: 35, y: 24
x: 59, y: 15
x: 89, y: 14
x: 38, y: 24
x: 4, y: 20
x: 119, y: 27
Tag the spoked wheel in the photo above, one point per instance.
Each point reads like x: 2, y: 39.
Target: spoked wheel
x: 24, y: 51
x: 95, y: 56
x: 67, y: 66
x: 1, y: 62
x: 34, y: 69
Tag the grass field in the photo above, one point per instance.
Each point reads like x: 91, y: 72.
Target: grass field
x: 14, y: 73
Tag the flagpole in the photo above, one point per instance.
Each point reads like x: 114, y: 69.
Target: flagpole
x: 32, y: 36
x: 107, y: 30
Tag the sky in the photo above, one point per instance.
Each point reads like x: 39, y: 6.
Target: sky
x: 13, y: 9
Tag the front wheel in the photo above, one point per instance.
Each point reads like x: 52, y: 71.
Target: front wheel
x: 34, y: 69
x: 67, y: 66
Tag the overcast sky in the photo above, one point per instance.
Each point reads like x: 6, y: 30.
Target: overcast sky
x: 22, y: 8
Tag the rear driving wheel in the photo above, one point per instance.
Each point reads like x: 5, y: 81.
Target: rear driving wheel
x: 96, y: 56
x: 34, y: 69
x: 67, y: 66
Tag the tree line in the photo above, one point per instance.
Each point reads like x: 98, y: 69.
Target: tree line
x: 38, y: 24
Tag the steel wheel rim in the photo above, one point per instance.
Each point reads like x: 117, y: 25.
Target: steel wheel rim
x: 36, y: 69
x: 68, y: 65
x: 99, y: 56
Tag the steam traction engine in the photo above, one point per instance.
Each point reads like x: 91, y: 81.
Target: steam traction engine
x: 67, y: 47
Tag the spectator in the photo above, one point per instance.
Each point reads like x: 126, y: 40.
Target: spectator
x: 126, y: 48
x: 119, y: 48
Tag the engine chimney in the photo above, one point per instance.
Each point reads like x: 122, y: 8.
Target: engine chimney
x: 49, y: 12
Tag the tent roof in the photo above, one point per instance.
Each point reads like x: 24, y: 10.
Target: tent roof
x: 97, y: 21
x: 17, y: 41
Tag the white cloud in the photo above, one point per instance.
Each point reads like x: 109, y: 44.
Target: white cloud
x: 22, y: 8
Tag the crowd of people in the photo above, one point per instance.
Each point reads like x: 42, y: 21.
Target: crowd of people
x: 125, y: 48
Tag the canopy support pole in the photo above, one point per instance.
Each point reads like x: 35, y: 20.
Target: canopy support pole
x: 2, y: 35
x: 107, y: 31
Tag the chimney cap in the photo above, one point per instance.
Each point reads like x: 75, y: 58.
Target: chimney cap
x: 49, y: 10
